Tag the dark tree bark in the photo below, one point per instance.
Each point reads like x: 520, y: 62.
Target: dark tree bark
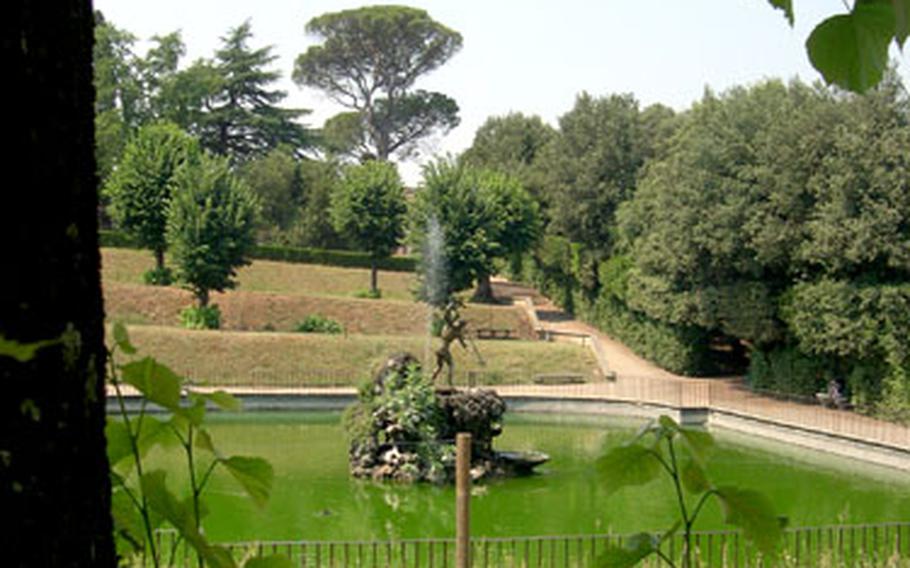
x: 54, y: 482
x: 484, y: 292
x: 374, y: 274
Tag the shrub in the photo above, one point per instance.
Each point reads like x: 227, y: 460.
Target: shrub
x: 316, y: 323
x: 369, y: 294
x: 201, y: 317
x: 158, y: 277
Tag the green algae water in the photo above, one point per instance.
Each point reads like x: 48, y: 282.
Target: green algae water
x: 314, y: 498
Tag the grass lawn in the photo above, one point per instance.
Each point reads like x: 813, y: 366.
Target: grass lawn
x: 267, y: 358
x: 127, y: 266
x: 276, y: 296
x: 259, y: 311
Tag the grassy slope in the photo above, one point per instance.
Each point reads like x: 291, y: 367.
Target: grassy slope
x: 295, y: 291
x: 127, y: 266
x: 246, y: 358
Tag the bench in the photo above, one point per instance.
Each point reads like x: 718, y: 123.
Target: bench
x: 494, y: 333
x: 558, y: 379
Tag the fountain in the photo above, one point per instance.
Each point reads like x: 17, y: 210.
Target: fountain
x: 403, y: 425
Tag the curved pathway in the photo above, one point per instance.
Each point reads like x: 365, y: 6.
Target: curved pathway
x: 639, y: 380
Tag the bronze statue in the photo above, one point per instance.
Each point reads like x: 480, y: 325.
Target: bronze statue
x: 452, y: 329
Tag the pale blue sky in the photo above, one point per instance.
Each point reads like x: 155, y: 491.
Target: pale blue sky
x: 532, y: 56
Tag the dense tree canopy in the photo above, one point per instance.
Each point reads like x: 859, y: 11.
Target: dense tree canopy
x: 484, y: 216
x: 368, y: 61
x: 275, y: 179
x: 592, y: 166
x: 512, y: 144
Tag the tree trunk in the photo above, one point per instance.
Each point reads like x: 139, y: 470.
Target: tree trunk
x: 484, y: 292
x: 54, y: 475
x: 159, y: 259
x: 374, y: 275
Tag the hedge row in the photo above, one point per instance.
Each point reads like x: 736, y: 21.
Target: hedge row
x: 343, y: 258
x: 348, y: 259
x: 563, y: 272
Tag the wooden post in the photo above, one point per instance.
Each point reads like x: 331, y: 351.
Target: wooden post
x: 462, y: 500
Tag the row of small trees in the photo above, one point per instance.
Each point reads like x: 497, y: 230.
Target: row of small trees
x: 173, y: 196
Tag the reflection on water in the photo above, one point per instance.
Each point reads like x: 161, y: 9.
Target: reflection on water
x: 314, y: 498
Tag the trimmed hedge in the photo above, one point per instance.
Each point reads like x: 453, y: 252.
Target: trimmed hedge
x: 342, y: 258
x: 116, y: 239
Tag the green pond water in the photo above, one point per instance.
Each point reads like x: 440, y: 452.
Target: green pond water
x: 314, y: 498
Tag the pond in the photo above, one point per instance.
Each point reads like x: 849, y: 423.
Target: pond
x: 314, y: 498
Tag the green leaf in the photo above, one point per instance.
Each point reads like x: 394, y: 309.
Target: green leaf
x: 786, y: 6
x: 193, y: 414
x: 222, y: 399
x: 668, y: 423
x: 122, y: 339
x: 219, y: 557
x: 153, y: 432
x: 754, y: 514
x: 155, y: 381
x: 851, y: 50
x: 118, y: 441
x: 637, y: 548
x: 128, y: 526
x: 901, y: 20
x: 204, y: 441
x: 628, y: 465
x: 694, y: 478
x: 273, y: 561
x: 164, y: 503
x: 699, y: 443
x: 255, y: 475
x: 23, y: 352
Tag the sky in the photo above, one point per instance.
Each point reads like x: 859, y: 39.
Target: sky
x: 531, y: 56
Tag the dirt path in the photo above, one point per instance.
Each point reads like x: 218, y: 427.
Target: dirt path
x: 619, y: 358
x: 637, y: 379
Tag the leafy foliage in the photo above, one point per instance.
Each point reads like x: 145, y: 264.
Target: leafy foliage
x: 592, y: 165
x: 275, y: 179
x: 682, y: 454
x: 368, y: 61
x: 851, y: 50
x: 512, y: 144
x: 141, y: 187
x: 484, y: 215
x: 316, y: 323
x: 369, y: 207
x: 142, y: 500
x: 210, y: 226
x: 201, y: 317
x: 242, y: 118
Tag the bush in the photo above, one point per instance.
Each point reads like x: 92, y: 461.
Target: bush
x: 316, y: 323
x: 369, y: 294
x: 201, y: 317
x: 158, y: 277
